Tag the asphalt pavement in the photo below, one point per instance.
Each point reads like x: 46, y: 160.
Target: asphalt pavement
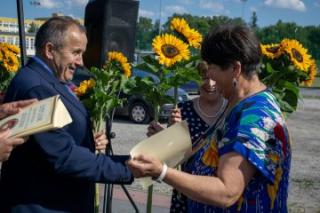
x: 121, y: 202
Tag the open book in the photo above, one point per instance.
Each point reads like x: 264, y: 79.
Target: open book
x: 47, y: 114
x: 172, y: 145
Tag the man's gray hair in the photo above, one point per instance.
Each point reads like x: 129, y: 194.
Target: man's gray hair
x: 53, y: 30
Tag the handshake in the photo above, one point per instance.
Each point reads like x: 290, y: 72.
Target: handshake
x: 168, y: 148
x: 147, y: 166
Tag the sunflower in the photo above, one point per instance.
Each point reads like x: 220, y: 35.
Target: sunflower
x: 298, y: 54
x: 170, y: 49
x: 12, y: 48
x: 312, y: 74
x: 84, y: 87
x: 1, y: 53
x: 193, y: 37
x: 10, y: 61
x: 179, y: 25
x: 271, y: 51
x: 122, y: 60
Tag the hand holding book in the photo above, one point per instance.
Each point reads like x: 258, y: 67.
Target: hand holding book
x: 37, y: 117
x: 14, y: 107
x: 6, y: 143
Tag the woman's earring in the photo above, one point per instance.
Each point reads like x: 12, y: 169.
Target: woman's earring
x: 234, y: 82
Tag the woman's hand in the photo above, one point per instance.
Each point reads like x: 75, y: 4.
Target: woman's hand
x: 14, y: 107
x: 175, y: 116
x: 153, y: 128
x: 7, y: 144
x: 101, y: 141
x: 143, y: 166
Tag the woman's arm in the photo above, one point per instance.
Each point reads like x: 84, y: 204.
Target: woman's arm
x: 234, y: 173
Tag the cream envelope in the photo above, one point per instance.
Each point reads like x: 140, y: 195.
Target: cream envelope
x: 172, y: 145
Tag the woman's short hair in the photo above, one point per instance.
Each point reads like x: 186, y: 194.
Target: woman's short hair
x: 53, y: 30
x: 229, y: 43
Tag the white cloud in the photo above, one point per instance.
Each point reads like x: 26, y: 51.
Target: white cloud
x: 288, y: 4
x: 79, y: 2
x: 146, y: 13
x: 50, y: 4
x: 253, y: 9
x: 211, y: 5
x: 76, y: 3
x: 72, y: 15
x: 175, y: 9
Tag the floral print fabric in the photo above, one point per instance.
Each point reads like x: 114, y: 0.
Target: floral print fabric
x: 197, y: 128
x: 255, y: 128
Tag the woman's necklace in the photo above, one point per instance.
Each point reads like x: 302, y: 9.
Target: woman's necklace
x: 221, y: 108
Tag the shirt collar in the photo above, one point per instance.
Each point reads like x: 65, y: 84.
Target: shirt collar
x: 43, y: 64
x: 48, y: 69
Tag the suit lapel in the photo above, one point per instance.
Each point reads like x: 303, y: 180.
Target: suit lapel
x: 62, y: 90
x: 72, y: 99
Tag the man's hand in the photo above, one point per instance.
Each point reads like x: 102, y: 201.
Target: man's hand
x: 14, y: 107
x: 101, y: 141
x: 7, y: 144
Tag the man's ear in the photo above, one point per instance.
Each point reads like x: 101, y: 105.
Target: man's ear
x: 237, y: 69
x: 48, y: 50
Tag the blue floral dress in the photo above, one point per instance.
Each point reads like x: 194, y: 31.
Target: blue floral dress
x: 255, y: 128
x: 197, y: 128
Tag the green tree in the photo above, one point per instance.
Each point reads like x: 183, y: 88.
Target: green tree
x: 275, y: 33
x: 204, y: 23
x: 254, y: 20
x: 313, y: 37
x: 144, y: 29
x: 33, y: 28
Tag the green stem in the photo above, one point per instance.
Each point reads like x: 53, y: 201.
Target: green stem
x: 97, y: 127
x: 156, y: 112
x: 149, y: 199
x: 150, y: 188
x: 175, y: 94
x: 97, y: 199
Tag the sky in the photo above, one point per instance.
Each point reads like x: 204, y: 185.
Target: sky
x: 302, y: 12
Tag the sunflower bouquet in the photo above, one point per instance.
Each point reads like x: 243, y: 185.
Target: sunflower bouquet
x: 174, y: 64
x: 9, y: 64
x: 285, y: 67
x: 100, y: 94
